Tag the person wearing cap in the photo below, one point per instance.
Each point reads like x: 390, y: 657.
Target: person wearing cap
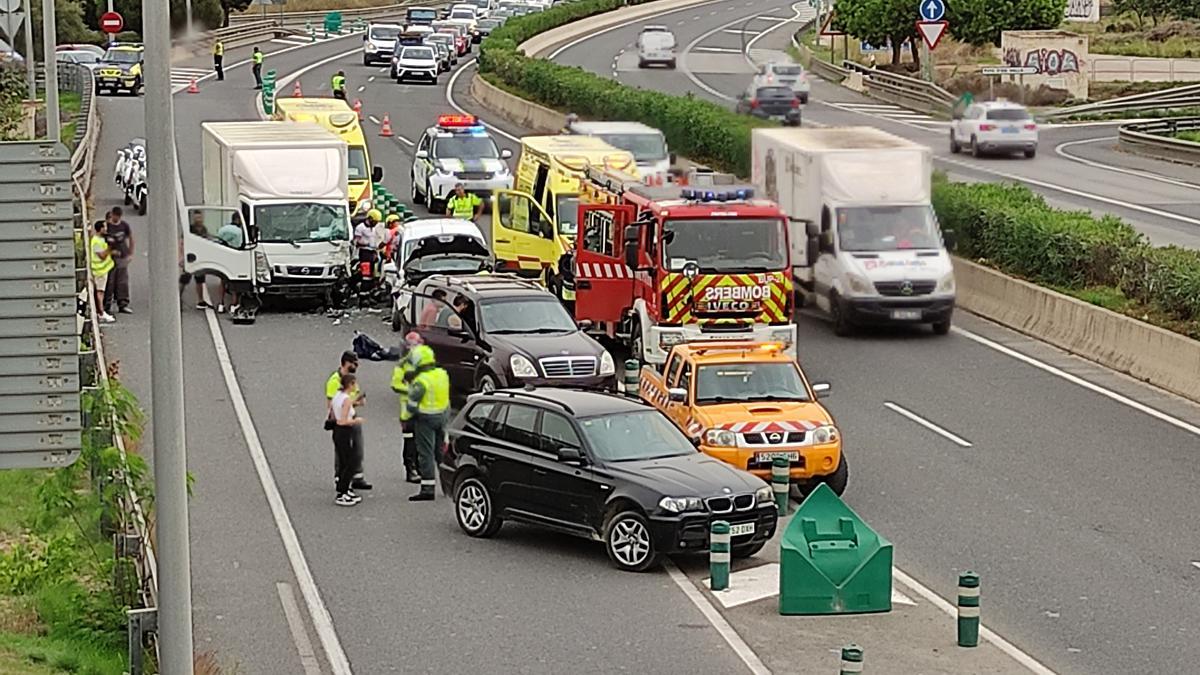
x: 428, y: 401
x: 402, y: 374
x: 391, y: 235
x: 464, y: 205
x: 349, y: 365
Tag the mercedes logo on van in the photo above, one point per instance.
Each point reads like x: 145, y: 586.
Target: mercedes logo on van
x: 906, y: 288
x: 775, y: 437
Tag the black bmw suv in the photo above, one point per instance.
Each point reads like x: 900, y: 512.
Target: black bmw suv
x: 600, y: 466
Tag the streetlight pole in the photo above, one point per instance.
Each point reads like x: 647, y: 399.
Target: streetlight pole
x: 166, y: 351
x: 30, y: 60
x: 49, y: 45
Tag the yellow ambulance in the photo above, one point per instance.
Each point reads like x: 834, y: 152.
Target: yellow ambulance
x: 337, y: 116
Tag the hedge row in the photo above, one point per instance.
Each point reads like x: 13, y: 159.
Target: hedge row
x: 1009, y: 226
x: 702, y: 131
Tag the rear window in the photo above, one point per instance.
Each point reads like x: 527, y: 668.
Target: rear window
x: 419, y: 53
x: 1008, y: 114
x: 788, y: 70
x: 774, y: 92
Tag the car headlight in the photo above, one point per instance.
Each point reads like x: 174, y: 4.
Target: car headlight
x: 720, y: 437
x: 764, y: 495
x: 371, y: 47
x: 667, y: 339
x: 860, y: 284
x: 680, y: 504
x: 521, y: 366
x: 607, y: 366
x: 824, y: 434
x: 946, y: 284
x: 262, y: 270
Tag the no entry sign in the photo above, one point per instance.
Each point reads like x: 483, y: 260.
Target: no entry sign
x: 111, y: 22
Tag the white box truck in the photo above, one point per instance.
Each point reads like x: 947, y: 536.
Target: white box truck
x: 866, y: 247
x: 283, y: 186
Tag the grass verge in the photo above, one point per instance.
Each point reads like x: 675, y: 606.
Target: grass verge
x: 69, y: 105
x: 1193, y: 136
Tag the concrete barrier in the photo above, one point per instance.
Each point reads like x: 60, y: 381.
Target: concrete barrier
x: 515, y: 109
x: 542, y: 43
x: 1149, y: 353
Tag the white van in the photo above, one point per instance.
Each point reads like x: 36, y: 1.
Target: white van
x: 648, y: 145
x: 656, y: 45
x: 379, y: 42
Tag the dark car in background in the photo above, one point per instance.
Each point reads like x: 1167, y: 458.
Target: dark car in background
x: 506, y: 332
x: 486, y: 26
x: 772, y: 102
x: 598, y: 466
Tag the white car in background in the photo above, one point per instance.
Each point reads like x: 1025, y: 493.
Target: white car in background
x: 1000, y: 127
x: 380, y: 42
x: 86, y: 58
x: 415, y: 63
x: 656, y: 45
x: 790, y: 75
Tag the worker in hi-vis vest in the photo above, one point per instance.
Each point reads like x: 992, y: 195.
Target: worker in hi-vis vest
x: 428, y: 401
x: 219, y: 58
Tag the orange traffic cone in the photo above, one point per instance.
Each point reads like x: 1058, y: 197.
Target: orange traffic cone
x: 193, y: 88
x: 358, y: 108
x: 296, y: 93
x: 387, y: 127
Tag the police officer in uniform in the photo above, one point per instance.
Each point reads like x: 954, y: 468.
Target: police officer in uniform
x: 257, y: 57
x: 463, y: 204
x: 219, y: 58
x: 402, y: 375
x: 338, y: 83
x: 428, y: 401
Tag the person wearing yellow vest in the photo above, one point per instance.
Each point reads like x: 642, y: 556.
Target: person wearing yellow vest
x: 349, y: 365
x: 101, y: 261
x: 219, y: 58
x: 463, y: 204
x: 338, y: 84
x: 428, y: 401
x: 402, y: 374
x: 257, y: 58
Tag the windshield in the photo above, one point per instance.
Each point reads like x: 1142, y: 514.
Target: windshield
x: 489, y: 24
x: 122, y: 56
x: 441, y: 38
x: 649, y: 147
x: 422, y: 14
x: 887, y: 228
x: 1008, y: 114
x: 467, y: 14
x: 78, y: 57
x: 629, y: 437
x: 451, y: 263
x: 749, y: 382
x: 288, y: 223
x: 526, y: 315
x: 384, y: 32
x: 417, y: 53
x: 732, y: 245
x: 465, y: 147
x: 356, y: 157
x: 567, y: 210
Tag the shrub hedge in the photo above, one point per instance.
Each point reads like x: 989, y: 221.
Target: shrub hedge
x: 1006, y: 225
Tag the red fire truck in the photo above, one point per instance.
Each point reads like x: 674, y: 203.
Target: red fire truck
x: 658, y: 265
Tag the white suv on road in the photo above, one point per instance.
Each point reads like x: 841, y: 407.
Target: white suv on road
x: 994, y: 127
x: 415, y: 63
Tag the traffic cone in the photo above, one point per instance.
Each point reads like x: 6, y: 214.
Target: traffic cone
x: 193, y: 88
x: 358, y: 108
x: 296, y: 93
x: 387, y: 127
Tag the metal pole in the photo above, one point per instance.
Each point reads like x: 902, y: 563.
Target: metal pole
x: 926, y: 62
x: 49, y: 43
x: 188, y: 7
x: 30, y: 61
x: 166, y: 351
x: 110, y: 37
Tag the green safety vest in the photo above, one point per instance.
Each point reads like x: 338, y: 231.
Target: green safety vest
x: 257, y: 56
x: 100, y: 266
x: 464, y: 207
x: 436, y: 399
x: 218, y: 48
x: 400, y: 375
x: 334, y: 383
x: 339, y: 83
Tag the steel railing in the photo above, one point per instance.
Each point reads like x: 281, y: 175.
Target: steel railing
x: 1165, y: 99
x: 909, y: 92
x: 300, y: 18
x: 1156, y: 138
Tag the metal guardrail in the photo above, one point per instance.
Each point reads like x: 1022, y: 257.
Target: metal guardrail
x: 1165, y: 99
x: 909, y: 92
x: 1156, y: 139
x: 299, y: 18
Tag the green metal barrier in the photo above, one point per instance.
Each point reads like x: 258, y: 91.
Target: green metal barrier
x: 832, y: 562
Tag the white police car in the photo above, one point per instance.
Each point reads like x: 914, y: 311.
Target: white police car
x: 457, y: 149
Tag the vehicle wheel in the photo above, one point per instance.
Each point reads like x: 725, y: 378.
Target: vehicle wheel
x: 841, y: 323
x: 366, y: 61
x: 128, y: 199
x: 955, y: 148
x: 641, y: 63
x: 747, y: 550
x: 975, y: 148
x: 435, y: 81
x: 396, y: 321
x: 837, y: 480
x: 487, y: 384
x: 432, y: 204
x: 1030, y: 154
x: 671, y: 64
x: 941, y: 327
x: 629, y: 543
x: 804, y: 99
x: 473, y: 508
x: 141, y: 207
x: 417, y: 197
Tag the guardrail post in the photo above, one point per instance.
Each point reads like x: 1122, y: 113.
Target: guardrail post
x: 852, y: 660
x: 718, y: 556
x: 631, y: 377
x: 968, y: 609
x: 141, y: 622
x: 781, y: 483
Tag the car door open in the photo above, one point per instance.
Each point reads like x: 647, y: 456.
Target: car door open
x: 603, y: 281
x: 216, y: 241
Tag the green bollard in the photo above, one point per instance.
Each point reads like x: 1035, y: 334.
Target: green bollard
x: 852, y: 660
x: 718, y: 556
x: 968, y: 609
x: 781, y: 483
x: 631, y: 378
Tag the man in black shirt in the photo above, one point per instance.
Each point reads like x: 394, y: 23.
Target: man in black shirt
x: 120, y: 240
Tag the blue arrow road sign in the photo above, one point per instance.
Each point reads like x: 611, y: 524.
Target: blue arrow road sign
x: 932, y: 10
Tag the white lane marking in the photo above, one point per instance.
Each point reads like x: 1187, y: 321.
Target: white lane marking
x: 986, y: 633
x: 404, y: 140
x: 371, y: 78
x: 899, y: 598
x: 857, y: 108
x: 713, y: 13
x: 291, y: 611
x: 701, y: 38
x: 373, y: 119
x: 679, y: 23
x: 1075, y: 379
x: 554, y: 54
x: 1196, y: 564
x: 454, y: 104
x: 958, y: 440
x: 283, y: 42
x: 797, y: 9
x: 748, y: 585
x: 1061, y: 148
x: 718, y: 50
x: 739, y: 31
x: 361, y: 87
x: 731, y: 637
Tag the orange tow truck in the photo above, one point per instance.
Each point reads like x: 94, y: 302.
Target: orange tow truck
x: 746, y: 403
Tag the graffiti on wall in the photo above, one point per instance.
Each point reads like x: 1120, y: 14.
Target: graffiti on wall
x: 1083, y: 10
x: 1046, y: 61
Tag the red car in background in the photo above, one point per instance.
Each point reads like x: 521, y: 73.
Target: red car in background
x: 462, y: 42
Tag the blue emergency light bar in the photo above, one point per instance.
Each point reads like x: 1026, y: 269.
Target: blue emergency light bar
x: 741, y: 194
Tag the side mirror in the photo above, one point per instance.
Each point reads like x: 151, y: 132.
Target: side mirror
x: 252, y: 233
x: 631, y: 233
x: 672, y: 158
x: 812, y: 229
x: 631, y: 255
x: 506, y: 154
x: 570, y: 456
x: 821, y: 389
x: 826, y: 242
x: 422, y: 154
x: 813, y: 250
x: 585, y: 324
x: 950, y: 239
x: 677, y: 394
x: 376, y: 174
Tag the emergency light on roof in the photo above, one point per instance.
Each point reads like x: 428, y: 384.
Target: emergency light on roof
x: 457, y: 121
x: 740, y: 194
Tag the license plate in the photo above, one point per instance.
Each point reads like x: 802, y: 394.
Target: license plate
x: 741, y: 529
x: 1011, y: 130
x: 769, y: 456
x: 906, y: 314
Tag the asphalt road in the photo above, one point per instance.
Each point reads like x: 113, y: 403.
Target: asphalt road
x: 1074, y: 507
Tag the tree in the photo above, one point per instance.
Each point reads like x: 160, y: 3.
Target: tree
x: 878, y: 21
x: 12, y: 91
x: 69, y: 26
x: 232, y: 6
x: 981, y: 22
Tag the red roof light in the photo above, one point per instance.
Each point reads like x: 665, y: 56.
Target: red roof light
x: 451, y: 121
